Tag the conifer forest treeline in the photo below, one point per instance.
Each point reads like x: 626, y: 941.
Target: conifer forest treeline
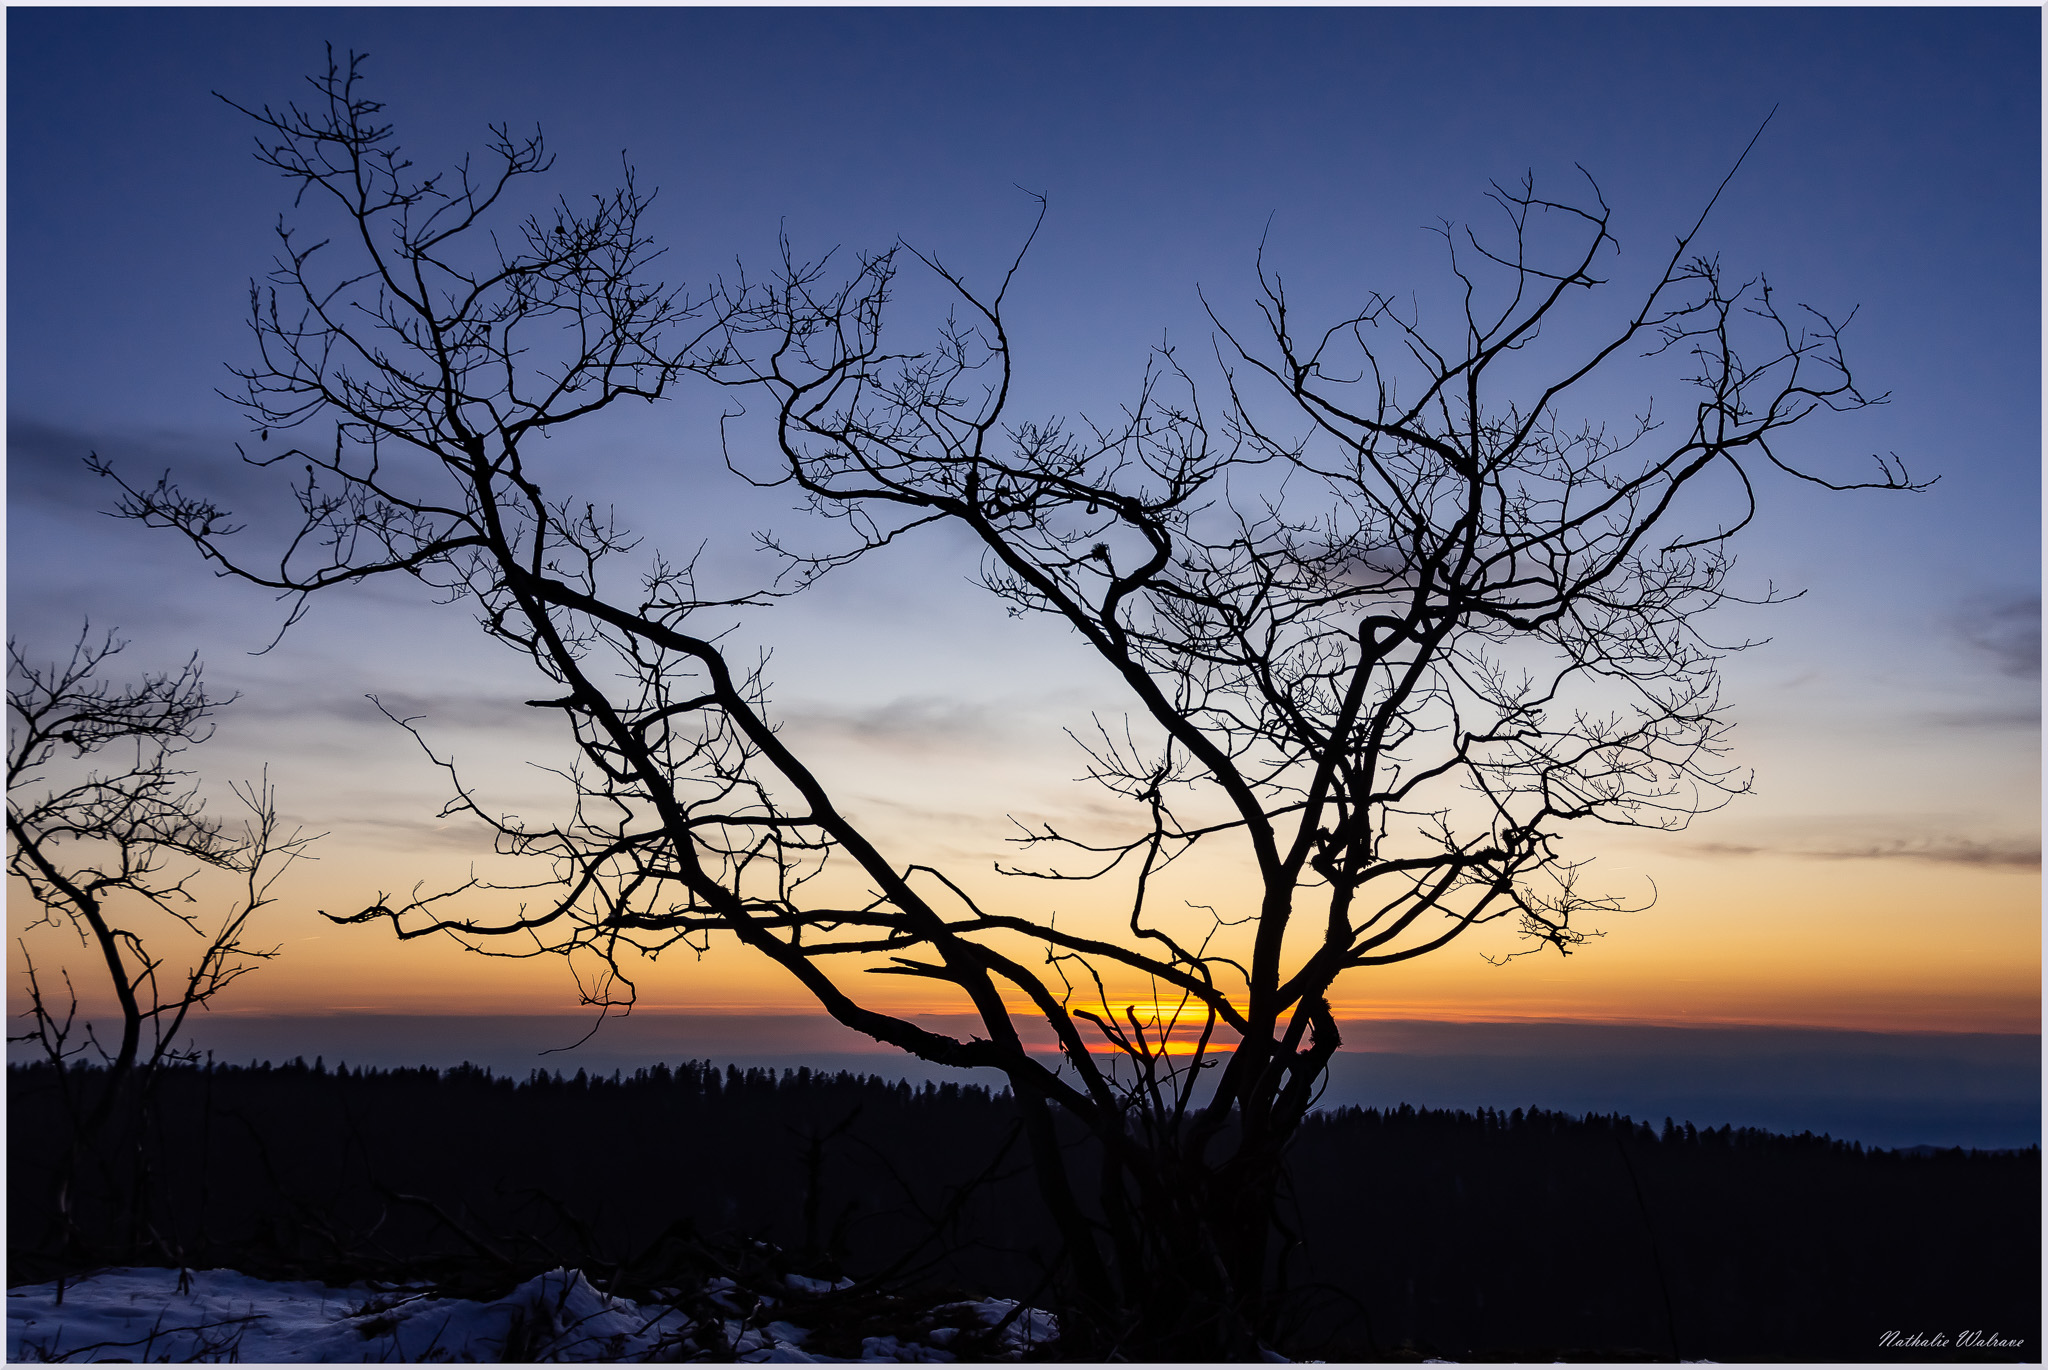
x: 1519, y: 1234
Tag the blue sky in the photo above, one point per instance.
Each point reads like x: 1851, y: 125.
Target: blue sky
x: 1893, y: 722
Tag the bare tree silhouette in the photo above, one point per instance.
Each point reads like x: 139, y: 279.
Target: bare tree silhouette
x: 105, y: 827
x: 1389, y: 621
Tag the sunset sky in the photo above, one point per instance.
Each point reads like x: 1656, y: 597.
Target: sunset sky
x: 1884, y: 875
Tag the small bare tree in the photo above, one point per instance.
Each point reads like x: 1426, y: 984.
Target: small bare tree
x: 1388, y: 621
x: 105, y: 826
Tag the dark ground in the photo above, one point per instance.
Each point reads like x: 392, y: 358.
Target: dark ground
x: 1525, y: 1235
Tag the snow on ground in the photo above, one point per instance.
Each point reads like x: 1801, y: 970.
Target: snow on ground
x: 221, y: 1315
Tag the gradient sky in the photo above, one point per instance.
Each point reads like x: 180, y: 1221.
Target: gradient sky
x: 1885, y: 875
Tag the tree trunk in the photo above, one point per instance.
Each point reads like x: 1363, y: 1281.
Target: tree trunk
x: 1184, y: 1244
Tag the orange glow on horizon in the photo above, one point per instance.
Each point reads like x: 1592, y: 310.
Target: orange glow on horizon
x: 1851, y: 945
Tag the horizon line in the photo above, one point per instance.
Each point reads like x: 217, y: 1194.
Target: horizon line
x: 1495, y: 1019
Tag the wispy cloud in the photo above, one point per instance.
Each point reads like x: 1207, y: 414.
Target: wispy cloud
x: 444, y: 708
x: 2003, y: 853
x: 422, y: 833
x: 911, y: 720
x: 46, y: 468
x: 46, y: 461
x: 2019, y: 717
x: 2007, y: 629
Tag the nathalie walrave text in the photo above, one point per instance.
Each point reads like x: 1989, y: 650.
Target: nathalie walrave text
x: 1942, y: 1341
